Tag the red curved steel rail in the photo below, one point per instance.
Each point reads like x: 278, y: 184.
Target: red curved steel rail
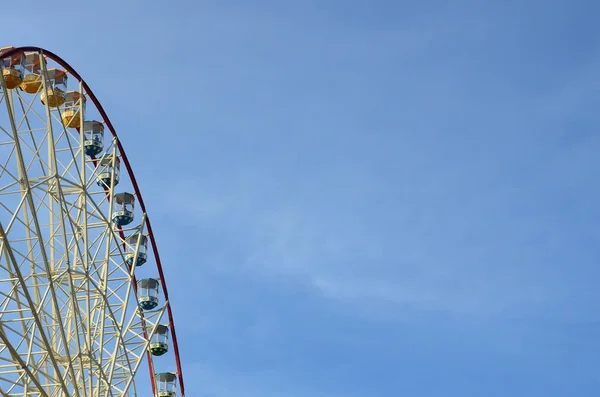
x: 108, y: 123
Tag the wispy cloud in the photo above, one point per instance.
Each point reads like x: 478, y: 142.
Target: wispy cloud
x: 344, y: 258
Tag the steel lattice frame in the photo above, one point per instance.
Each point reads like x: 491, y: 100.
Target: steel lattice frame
x: 70, y: 324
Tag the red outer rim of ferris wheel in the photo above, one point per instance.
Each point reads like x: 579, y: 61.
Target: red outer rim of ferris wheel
x: 138, y: 193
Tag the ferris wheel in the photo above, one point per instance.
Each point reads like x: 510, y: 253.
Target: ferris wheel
x: 83, y: 299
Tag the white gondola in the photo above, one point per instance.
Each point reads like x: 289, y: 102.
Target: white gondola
x: 159, y: 344
x: 166, y: 384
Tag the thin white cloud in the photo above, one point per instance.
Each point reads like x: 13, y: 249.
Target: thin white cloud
x: 345, y: 259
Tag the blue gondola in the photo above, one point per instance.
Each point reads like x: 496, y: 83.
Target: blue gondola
x: 142, y: 252
x: 123, y: 206
x: 93, y: 132
x: 105, y: 175
x: 148, y: 293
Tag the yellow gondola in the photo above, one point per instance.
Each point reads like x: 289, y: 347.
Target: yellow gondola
x: 73, y: 109
x: 32, y: 82
x: 56, y: 88
x: 12, y: 68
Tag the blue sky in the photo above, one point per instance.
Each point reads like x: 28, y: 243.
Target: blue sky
x: 361, y: 198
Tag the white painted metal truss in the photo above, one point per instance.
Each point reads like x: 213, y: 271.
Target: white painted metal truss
x: 70, y: 324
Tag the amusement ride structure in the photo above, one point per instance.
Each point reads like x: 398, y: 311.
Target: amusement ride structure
x: 83, y: 299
